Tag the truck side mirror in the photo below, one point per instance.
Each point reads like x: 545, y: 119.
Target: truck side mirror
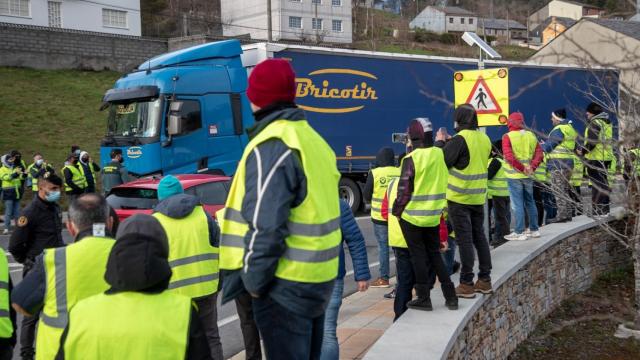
x: 174, y: 126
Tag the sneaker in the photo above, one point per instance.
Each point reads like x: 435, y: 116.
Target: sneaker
x: 483, y: 286
x: 5, y: 232
x: 380, y: 283
x: 465, y: 291
x: 535, y: 234
x: 514, y: 236
x: 527, y: 232
x: 390, y: 295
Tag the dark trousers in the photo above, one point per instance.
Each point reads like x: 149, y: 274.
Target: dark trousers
x: 597, y: 172
x: 250, y: 333
x: 424, y: 247
x: 28, y: 327
x: 287, y: 335
x: 208, y: 315
x: 538, y: 198
x: 468, y: 224
x: 406, y: 281
x: 6, y: 351
x: 502, y: 217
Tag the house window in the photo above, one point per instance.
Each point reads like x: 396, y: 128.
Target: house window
x: 114, y: 18
x: 15, y: 8
x: 316, y: 24
x: 450, y: 20
x: 336, y: 2
x: 461, y: 20
x: 55, y: 20
x: 318, y: 2
x: 336, y: 25
x: 470, y: 21
x: 295, y: 22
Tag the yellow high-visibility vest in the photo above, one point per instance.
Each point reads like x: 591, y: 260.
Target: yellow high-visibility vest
x: 523, y: 145
x: 382, y: 176
x: 429, y: 187
x: 498, y: 186
x: 469, y: 186
x: 396, y: 238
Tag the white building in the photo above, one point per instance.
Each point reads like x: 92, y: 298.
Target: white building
x: 301, y: 20
x: 566, y: 9
x: 106, y: 16
x: 445, y: 20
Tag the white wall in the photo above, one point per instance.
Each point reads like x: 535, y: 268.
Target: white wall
x: 429, y: 19
x: 563, y: 9
x: 458, y: 26
x: 82, y: 15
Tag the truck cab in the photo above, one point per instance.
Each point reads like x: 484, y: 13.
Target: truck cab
x: 180, y: 113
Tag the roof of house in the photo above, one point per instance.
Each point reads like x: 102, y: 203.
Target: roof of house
x: 628, y: 28
x: 566, y: 22
x: 453, y: 10
x: 501, y: 24
x: 582, y: 4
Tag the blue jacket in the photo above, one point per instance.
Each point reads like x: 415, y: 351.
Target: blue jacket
x: 355, y: 241
x: 555, y: 138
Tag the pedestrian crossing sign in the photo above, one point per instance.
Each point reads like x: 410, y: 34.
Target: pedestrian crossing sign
x: 487, y: 91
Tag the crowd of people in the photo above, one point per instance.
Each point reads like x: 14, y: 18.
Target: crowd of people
x: 148, y: 288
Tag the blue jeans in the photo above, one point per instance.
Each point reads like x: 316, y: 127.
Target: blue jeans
x: 521, y: 192
x: 11, y: 211
x: 449, y: 256
x: 406, y: 281
x: 287, y: 335
x: 382, y: 234
x: 330, y: 347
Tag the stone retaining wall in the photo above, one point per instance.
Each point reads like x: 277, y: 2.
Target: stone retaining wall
x: 507, y: 317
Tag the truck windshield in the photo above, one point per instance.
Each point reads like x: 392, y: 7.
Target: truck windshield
x: 137, y: 119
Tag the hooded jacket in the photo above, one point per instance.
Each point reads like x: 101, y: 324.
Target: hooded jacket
x: 384, y: 158
x: 507, y: 150
x: 456, y: 151
x: 182, y: 205
x: 286, y: 189
x: 593, y: 131
x: 555, y: 138
x: 89, y: 169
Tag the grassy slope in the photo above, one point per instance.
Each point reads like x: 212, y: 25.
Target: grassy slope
x: 48, y: 111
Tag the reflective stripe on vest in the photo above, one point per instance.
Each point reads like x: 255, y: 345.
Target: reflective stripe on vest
x: 76, y: 177
x: 193, y: 261
x: 578, y: 171
x: 604, y: 147
x: 396, y: 238
x: 541, y: 173
x: 72, y: 273
x: 469, y: 186
x: 523, y: 145
x: 565, y: 149
x: 9, y: 183
x: 381, y: 178
x: 429, y: 187
x: 6, y: 326
x: 498, y: 186
x: 313, y: 243
x: 129, y: 325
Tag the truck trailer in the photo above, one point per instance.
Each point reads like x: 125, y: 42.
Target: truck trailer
x: 187, y: 111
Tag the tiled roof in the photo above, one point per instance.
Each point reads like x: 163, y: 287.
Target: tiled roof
x: 629, y: 28
x: 501, y: 24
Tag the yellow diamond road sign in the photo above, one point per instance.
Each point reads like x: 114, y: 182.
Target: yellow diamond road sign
x: 487, y: 91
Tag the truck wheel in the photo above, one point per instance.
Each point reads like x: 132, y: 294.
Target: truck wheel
x: 350, y: 192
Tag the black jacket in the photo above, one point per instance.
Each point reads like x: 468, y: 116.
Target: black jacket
x: 39, y: 228
x: 593, y: 132
x: 286, y: 188
x: 68, y: 180
x: 384, y: 158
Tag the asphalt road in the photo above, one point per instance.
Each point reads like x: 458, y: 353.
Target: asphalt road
x: 227, y: 317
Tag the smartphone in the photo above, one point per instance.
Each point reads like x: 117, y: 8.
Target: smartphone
x: 399, y: 138
x: 444, y: 131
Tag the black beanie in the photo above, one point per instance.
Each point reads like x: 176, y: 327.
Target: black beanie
x: 560, y: 114
x: 139, y: 258
x: 594, y: 109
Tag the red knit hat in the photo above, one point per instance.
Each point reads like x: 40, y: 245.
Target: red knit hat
x: 272, y: 81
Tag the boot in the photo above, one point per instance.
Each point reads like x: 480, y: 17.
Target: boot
x: 451, y: 299
x: 423, y: 302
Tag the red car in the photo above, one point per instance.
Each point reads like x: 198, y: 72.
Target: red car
x: 140, y: 196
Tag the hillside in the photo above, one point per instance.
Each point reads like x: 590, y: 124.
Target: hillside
x: 48, y: 111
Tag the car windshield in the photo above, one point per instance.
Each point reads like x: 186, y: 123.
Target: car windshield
x: 137, y: 119
x: 133, y: 198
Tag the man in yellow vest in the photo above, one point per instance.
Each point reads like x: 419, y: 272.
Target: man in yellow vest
x: 281, y: 224
x: 7, y: 314
x: 89, y: 170
x: 559, y: 148
x: 11, y: 178
x: 35, y: 171
x: 136, y: 317
x: 523, y: 155
x: 598, y: 154
x: 377, y: 183
x: 193, y: 254
x: 63, y: 276
x: 577, y: 176
x: 466, y: 156
x: 498, y: 195
x: 419, y: 204
x: 74, y: 181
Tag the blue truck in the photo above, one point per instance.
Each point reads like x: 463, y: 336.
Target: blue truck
x: 187, y: 111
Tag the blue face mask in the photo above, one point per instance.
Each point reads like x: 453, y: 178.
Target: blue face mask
x: 39, y: 162
x: 52, y: 196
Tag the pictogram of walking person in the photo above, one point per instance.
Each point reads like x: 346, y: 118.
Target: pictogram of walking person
x: 480, y: 97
